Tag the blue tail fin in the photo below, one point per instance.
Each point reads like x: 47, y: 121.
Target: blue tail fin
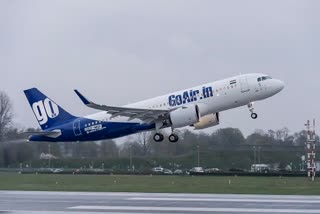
x: 47, y: 112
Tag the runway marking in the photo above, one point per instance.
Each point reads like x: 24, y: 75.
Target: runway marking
x: 52, y: 193
x: 67, y: 212
x: 227, y: 200
x: 195, y: 209
x: 52, y: 201
x: 135, y: 194
x: 152, y: 194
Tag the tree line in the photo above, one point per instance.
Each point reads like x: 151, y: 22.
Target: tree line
x: 223, y: 148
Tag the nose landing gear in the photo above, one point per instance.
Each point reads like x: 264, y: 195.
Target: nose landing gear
x: 254, y: 116
x: 251, y: 109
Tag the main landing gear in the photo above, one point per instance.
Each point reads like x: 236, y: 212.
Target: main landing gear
x: 158, y: 137
x: 173, y: 138
x: 251, y: 109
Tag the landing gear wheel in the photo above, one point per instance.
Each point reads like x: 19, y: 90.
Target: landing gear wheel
x: 173, y: 138
x: 251, y: 109
x: 254, y: 116
x: 158, y: 137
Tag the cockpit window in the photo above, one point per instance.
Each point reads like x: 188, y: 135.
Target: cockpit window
x: 264, y: 78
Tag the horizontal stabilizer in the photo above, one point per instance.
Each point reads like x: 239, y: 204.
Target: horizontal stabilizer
x: 52, y: 134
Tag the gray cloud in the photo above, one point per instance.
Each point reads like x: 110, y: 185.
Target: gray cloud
x: 124, y: 51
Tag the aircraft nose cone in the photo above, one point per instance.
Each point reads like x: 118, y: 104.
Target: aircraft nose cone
x: 280, y: 85
x: 277, y: 86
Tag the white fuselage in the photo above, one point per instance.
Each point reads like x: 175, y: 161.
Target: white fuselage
x: 216, y: 97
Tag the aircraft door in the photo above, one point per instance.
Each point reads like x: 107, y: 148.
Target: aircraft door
x: 244, y: 84
x: 76, y: 128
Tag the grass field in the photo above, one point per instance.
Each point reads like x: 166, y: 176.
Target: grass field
x: 169, y: 184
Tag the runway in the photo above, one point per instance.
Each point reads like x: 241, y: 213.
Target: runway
x: 19, y: 202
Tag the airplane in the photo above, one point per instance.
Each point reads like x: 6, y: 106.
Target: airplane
x: 198, y: 107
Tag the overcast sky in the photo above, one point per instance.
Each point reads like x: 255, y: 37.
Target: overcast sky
x: 119, y: 52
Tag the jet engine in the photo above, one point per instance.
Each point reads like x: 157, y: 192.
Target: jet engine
x: 185, y: 116
x: 207, y: 121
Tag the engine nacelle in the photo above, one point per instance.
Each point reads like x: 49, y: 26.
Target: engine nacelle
x: 207, y: 121
x: 185, y: 116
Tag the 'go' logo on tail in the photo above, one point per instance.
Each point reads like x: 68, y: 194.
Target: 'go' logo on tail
x: 44, y: 110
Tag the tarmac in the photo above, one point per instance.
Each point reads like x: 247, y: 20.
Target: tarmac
x: 23, y: 202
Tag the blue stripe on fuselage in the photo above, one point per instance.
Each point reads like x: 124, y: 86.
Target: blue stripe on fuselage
x: 93, y: 130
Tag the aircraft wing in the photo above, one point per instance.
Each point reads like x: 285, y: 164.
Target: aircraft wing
x: 147, y: 115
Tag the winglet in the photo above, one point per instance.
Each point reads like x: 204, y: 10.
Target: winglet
x: 83, y: 99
